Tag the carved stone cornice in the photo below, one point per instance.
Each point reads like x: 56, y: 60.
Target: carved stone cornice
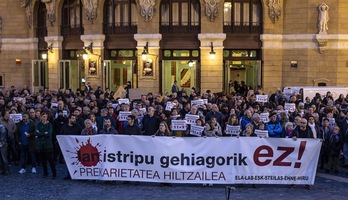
x: 274, y: 9
x: 91, y: 9
x: 146, y: 8
x: 211, y: 9
x: 29, y: 12
x: 51, y: 10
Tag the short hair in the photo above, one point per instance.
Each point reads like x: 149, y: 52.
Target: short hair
x: 250, y: 125
x: 132, y: 117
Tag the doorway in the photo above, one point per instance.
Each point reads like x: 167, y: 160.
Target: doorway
x: 117, y: 73
x: 181, y: 71
x: 71, y: 74
x: 248, y: 71
x: 39, y: 71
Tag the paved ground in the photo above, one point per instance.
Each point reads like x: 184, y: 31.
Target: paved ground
x: 33, y: 186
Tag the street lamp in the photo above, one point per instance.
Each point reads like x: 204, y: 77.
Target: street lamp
x: 212, y: 52
x: 44, y: 56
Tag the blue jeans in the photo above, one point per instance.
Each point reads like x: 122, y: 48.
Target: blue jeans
x: 25, y: 153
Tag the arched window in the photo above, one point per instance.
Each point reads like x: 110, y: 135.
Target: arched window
x: 180, y: 16
x: 120, y: 17
x: 41, y: 29
x: 242, y: 16
x: 72, y: 18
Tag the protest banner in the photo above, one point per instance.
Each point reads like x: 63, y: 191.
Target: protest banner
x: 16, y: 117
x: 122, y: 116
x: 196, y: 130
x: 291, y: 107
x: 178, y: 125
x: 262, y: 98
x: 261, y: 133
x: 264, y: 117
x: 114, y: 105
x: 232, y: 130
x: 191, y: 119
x: 242, y: 160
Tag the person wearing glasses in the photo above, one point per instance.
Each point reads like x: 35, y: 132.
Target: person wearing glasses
x: 131, y: 128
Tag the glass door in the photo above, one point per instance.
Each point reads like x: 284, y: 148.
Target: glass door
x: 70, y: 75
x: 180, y: 71
x: 39, y: 71
x: 117, y: 73
x: 106, y: 74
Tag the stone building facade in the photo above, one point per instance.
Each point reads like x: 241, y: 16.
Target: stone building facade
x: 267, y: 43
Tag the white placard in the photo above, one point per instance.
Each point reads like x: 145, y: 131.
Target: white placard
x: 121, y: 101
x: 291, y: 107
x: 205, y: 101
x: 196, y: 130
x: 114, y: 105
x: 169, y: 105
x: 264, y: 117
x: 261, y: 133
x: 198, y: 102
x: 262, y: 98
x: 54, y: 105
x: 178, y: 125
x: 232, y: 130
x: 123, y: 116
x: 191, y: 119
x: 16, y: 117
x: 332, y: 123
x: 142, y: 111
x: 17, y: 99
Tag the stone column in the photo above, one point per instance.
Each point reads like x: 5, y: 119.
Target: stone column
x: 148, y: 83
x: 211, y: 70
x: 53, y: 55
x: 97, y: 42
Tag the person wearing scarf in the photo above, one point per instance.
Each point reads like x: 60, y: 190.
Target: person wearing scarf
x: 88, y: 130
x: 314, y: 127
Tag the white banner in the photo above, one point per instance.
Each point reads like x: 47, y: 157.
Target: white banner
x: 178, y: 125
x: 232, y: 130
x: 264, y: 117
x: 262, y: 98
x: 191, y: 119
x: 142, y: 111
x: 16, y: 117
x: 122, y: 116
x: 243, y: 160
x: 196, y: 130
x: 290, y: 107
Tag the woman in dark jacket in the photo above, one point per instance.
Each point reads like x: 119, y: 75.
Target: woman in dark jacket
x: 44, y: 145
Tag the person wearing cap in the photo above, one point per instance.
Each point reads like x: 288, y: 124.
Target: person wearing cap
x: 273, y: 127
x: 26, y: 140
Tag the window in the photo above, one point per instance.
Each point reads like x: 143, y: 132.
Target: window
x: 41, y: 29
x: 242, y: 16
x: 72, y: 18
x: 180, y: 16
x: 120, y: 17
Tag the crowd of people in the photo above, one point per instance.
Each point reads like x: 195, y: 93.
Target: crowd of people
x: 45, y: 114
